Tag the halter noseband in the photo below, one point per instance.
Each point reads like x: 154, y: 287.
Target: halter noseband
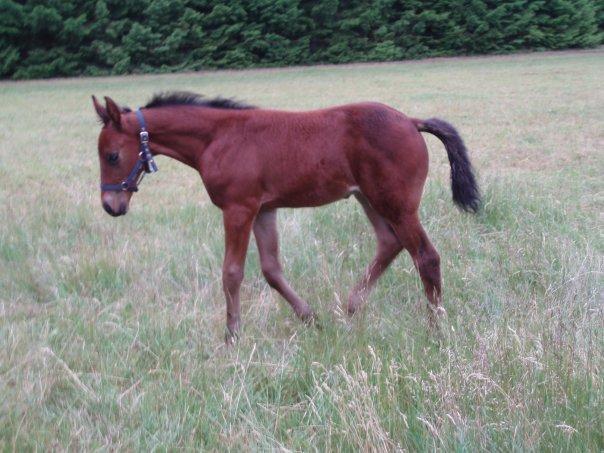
x: 144, y: 164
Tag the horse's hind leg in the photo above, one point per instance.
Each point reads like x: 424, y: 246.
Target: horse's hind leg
x: 265, y: 231
x: 425, y: 257
x: 388, y: 247
x: 394, y: 191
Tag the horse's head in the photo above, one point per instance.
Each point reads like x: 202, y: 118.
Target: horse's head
x: 118, y: 147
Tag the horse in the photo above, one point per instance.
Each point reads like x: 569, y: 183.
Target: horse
x: 253, y: 161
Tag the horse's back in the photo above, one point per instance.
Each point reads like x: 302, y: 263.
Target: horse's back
x: 311, y: 158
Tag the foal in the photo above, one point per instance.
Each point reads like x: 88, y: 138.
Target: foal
x: 254, y: 161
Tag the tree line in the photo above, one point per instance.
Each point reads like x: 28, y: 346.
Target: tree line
x: 80, y: 37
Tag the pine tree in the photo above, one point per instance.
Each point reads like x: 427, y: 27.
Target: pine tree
x: 563, y: 24
x: 70, y: 37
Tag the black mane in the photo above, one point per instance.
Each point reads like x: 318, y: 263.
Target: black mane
x: 173, y: 98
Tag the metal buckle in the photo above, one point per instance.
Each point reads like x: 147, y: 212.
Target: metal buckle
x: 144, y: 135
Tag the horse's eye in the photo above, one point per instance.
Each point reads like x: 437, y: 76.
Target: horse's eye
x: 113, y: 158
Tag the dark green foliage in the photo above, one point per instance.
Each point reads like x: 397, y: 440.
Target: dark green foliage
x: 73, y: 37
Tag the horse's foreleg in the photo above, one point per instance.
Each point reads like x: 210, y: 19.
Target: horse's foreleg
x: 388, y: 247
x: 237, y: 226
x: 267, y: 239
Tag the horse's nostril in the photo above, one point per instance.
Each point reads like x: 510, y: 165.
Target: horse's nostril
x: 108, y: 209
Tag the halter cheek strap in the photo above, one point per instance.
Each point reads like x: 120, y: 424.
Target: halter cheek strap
x: 144, y: 164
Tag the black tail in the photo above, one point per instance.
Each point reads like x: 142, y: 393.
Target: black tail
x: 463, y: 183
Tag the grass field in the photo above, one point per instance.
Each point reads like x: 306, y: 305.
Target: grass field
x: 111, y: 330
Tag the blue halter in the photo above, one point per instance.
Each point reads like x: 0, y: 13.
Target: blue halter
x: 144, y: 164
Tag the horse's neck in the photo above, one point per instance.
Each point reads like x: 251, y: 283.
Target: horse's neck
x: 181, y: 133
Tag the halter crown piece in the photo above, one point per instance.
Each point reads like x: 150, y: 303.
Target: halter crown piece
x: 144, y: 164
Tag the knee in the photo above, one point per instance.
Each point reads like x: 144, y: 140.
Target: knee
x: 232, y: 275
x: 271, y: 272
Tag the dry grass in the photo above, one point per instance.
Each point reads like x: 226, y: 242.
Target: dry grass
x: 111, y: 330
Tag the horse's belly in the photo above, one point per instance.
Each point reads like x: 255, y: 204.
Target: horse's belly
x: 312, y: 195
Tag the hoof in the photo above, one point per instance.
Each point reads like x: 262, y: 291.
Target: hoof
x: 231, y: 338
x: 440, y: 311
x: 355, y: 302
x: 435, y: 314
x: 310, y: 319
x: 306, y: 315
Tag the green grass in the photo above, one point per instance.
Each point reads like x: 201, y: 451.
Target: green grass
x: 111, y: 329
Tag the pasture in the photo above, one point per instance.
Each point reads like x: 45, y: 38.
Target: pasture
x: 111, y: 330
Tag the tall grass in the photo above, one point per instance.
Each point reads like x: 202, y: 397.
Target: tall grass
x: 111, y: 329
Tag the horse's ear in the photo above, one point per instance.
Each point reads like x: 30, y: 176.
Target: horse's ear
x: 100, y: 110
x: 115, y: 115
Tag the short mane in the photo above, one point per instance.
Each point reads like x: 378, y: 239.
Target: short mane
x: 173, y: 98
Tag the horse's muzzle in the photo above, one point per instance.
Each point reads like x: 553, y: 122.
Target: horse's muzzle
x: 115, y: 204
x: 121, y: 210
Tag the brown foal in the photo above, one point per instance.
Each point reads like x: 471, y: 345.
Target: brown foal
x: 254, y: 161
